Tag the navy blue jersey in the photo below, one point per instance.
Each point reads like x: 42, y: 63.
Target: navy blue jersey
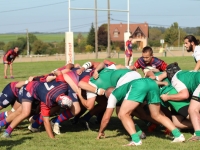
x: 48, y: 92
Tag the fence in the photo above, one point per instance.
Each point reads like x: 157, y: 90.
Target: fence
x: 169, y: 52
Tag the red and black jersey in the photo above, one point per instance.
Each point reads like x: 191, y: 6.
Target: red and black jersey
x: 10, y: 55
x: 155, y: 62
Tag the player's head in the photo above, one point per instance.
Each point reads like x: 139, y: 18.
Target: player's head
x: 147, y: 54
x: 190, y: 42
x: 64, y: 101
x: 130, y: 38
x: 172, y: 69
x: 16, y: 49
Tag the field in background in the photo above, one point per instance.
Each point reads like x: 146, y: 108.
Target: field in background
x: 45, y: 37
x: 74, y: 137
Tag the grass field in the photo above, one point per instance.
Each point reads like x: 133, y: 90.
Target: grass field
x: 45, y: 37
x: 74, y: 137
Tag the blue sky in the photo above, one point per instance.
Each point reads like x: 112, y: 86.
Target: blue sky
x: 52, y: 15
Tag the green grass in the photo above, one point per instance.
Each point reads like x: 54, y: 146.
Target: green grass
x: 74, y: 137
x: 45, y: 37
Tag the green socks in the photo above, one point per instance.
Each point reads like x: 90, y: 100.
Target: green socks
x: 138, y: 130
x: 176, y: 133
x: 135, y: 138
x: 197, y: 132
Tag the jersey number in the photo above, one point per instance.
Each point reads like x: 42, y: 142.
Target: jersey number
x: 47, y: 86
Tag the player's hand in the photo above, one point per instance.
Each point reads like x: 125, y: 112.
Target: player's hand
x: 30, y: 78
x: 164, y: 97
x: 101, y: 135
x: 80, y: 71
x: 95, y: 74
x: 101, y: 91
x: 50, y: 78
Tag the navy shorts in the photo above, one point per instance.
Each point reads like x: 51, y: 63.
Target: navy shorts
x: 7, y: 97
x: 25, y: 95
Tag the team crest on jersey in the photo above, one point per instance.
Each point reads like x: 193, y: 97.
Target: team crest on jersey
x: 5, y: 102
x: 154, y: 66
x: 28, y: 94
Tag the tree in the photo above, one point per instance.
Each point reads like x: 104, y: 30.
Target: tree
x: 2, y: 45
x: 91, y: 36
x: 154, y: 37
x: 103, y: 35
x: 171, y: 34
x: 39, y: 47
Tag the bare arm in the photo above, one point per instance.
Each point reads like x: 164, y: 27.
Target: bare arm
x: 86, y: 86
x: 182, y: 95
x: 89, y: 103
x: 197, y: 67
x: 104, y: 122
x: 48, y: 127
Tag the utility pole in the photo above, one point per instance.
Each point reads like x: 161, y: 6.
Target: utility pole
x: 96, y: 38
x: 108, y: 29
x: 178, y: 37
x: 27, y: 42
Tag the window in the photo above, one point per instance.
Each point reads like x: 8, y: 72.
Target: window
x: 116, y: 33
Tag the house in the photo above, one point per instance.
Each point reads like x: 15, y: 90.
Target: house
x: 138, y: 31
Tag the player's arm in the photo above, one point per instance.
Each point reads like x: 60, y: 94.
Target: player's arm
x: 84, y: 67
x: 47, y: 126
x: 107, y: 115
x: 104, y: 122
x: 197, y: 66
x: 45, y: 112
x: 182, y: 95
x: 89, y: 103
x: 6, y: 56
x: 97, y: 69
x: 86, y: 86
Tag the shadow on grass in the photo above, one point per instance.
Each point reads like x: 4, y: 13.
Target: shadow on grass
x: 9, y: 144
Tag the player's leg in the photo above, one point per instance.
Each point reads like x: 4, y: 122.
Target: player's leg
x: 11, y: 71
x: 158, y: 115
x: 194, y: 110
x: 125, y: 116
x: 181, y: 122
x: 5, y: 70
x: 10, y: 118
x: 65, y: 115
x: 26, y: 109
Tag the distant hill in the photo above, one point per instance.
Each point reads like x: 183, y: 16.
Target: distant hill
x: 46, y: 37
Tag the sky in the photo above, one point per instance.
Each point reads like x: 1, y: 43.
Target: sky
x: 52, y: 15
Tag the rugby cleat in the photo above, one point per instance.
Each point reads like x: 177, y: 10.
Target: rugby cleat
x: 31, y: 120
x: 6, y: 135
x: 132, y: 143
x: 55, y: 128
x: 194, y: 138
x: 181, y: 138
x: 33, y: 129
x: 142, y: 135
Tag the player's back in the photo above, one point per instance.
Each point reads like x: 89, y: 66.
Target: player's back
x: 47, y: 92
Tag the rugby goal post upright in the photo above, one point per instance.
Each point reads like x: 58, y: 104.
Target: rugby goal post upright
x: 69, y: 41
x: 69, y: 38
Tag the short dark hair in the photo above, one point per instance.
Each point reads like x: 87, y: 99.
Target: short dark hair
x: 130, y: 36
x: 147, y: 49
x: 191, y: 38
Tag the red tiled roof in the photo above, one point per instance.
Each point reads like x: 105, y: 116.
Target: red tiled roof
x: 122, y: 28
